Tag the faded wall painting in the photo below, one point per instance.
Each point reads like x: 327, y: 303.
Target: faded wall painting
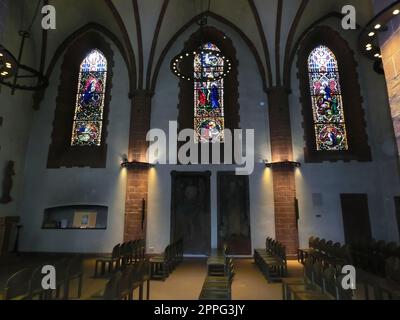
x: 190, y: 211
x: 234, y: 213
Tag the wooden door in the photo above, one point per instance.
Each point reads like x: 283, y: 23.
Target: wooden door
x: 234, y: 213
x: 191, y: 211
x: 356, y: 221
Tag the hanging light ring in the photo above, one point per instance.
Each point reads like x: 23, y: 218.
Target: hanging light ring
x: 8, y: 64
x: 182, y: 65
x: 31, y: 73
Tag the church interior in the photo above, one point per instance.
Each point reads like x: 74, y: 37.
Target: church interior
x: 199, y: 150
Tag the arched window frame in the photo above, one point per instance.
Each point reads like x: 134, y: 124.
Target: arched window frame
x: 62, y: 153
x: 357, y: 139
x: 89, y: 107
x: 231, y: 93
x: 327, y: 102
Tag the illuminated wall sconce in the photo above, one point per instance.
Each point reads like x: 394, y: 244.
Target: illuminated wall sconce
x: 125, y: 163
x: 282, y: 164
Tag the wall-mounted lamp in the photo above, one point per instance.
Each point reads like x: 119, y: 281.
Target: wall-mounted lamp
x: 282, y: 164
x: 125, y: 163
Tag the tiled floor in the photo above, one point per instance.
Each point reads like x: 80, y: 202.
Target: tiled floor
x: 185, y: 282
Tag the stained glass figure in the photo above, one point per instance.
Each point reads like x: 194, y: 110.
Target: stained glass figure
x: 89, y: 108
x: 208, y: 95
x: 327, y: 102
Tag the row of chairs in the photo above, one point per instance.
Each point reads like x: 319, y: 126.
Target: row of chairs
x: 326, y: 252
x: 318, y: 283
x: 378, y: 268
x: 163, y: 265
x: 122, y: 284
x: 272, y: 260
x: 218, y: 283
x: 371, y: 256
x: 26, y: 284
x: 122, y: 255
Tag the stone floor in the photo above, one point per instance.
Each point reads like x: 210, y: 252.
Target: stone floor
x: 184, y: 283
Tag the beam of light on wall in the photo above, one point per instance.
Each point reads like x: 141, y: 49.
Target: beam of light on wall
x: 267, y: 177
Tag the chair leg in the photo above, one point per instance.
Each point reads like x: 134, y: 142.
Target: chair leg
x: 141, y: 292
x: 80, y: 286
x: 66, y: 290
x: 96, y: 269
x: 148, y: 290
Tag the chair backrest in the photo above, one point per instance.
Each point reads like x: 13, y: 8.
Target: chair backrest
x: 125, y: 281
x: 317, y: 272
x: 390, y: 249
x: 61, y: 267
x: 17, y: 286
x: 329, y: 278
x: 316, y: 243
x: 112, y: 290
x: 392, y: 269
x: 380, y: 246
x: 311, y: 242
x: 322, y: 245
x: 116, y: 251
x: 308, y: 270
x: 75, y: 266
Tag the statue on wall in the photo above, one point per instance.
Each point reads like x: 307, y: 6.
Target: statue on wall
x: 7, y: 183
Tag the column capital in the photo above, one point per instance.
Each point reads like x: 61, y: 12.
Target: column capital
x: 274, y: 91
x: 140, y: 93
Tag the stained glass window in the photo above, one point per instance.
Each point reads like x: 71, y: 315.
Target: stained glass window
x: 327, y: 102
x: 209, y: 95
x: 89, y: 108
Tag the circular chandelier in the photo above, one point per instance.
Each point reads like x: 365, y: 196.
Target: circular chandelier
x: 16, y: 75
x: 8, y: 63
x: 213, y: 65
x: 206, y: 63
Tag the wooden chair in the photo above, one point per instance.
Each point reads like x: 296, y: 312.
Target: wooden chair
x: 313, y: 286
x: 302, y: 254
x: 330, y: 283
x: 62, y: 281
x: 343, y: 294
x: 392, y: 270
x: 146, y: 276
x: 112, y: 289
x: 125, y: 289
x: 160, y: 266
x: 137, y: 279
x: 113, y: 262
x: 75, y: 272
x: 18, y: 285
x: 35, y: 286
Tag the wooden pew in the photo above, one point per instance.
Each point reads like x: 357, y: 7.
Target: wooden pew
x: 318, y: 283
x: 218, y: 283
x: 272, y: 260
x: 163, y: 265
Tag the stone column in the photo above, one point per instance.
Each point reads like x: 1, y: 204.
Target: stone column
x: 137, y: 180
x: 284, y: 187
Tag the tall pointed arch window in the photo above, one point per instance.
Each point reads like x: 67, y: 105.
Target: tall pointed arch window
x: 327, y: 101
x: 209, y: 95
x: 89, y: 108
